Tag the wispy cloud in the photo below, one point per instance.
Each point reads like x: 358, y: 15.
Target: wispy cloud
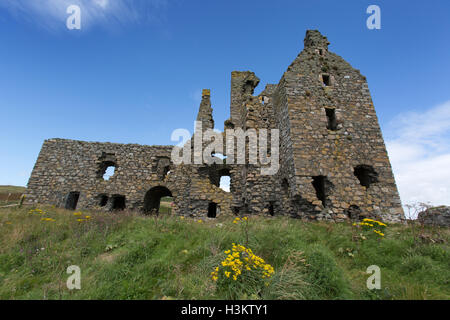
x: 52, y: 15
x: 419, y: 149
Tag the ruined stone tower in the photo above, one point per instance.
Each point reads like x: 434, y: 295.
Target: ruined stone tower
x: 333, y: 163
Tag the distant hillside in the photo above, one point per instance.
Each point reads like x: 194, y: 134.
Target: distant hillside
x: 11, y: 193
x: 12, y: 189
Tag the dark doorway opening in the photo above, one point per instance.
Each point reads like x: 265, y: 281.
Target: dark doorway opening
x: 319, y: 185
x: 72, y: 200
x: 366, y: 175
x: 118, y: 202
x: 212, y: 210
x: 332, y: 121
x: 152, y: 199
x: 271, y: 208
x: 103, y: 200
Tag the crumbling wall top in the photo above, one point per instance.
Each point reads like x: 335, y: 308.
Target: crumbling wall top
x: 314, y: 39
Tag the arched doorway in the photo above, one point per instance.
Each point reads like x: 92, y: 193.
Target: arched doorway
x: 152, y: 200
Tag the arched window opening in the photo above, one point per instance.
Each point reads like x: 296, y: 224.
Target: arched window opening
x: 366, y: 175
x: 107, y: 166
x: 109, y: 172
x: 118, y: 202
x: 221, y: 178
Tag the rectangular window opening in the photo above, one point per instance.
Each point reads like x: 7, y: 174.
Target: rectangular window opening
x: 326, y: 80
x: 332, y: 121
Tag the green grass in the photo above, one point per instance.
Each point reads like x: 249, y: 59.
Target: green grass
x: 128, y: 256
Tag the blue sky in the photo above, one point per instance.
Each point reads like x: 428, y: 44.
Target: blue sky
x: 135, y: 70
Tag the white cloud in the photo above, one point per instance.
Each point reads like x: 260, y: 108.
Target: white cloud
x: 419, y: 150
x: 52, y: 15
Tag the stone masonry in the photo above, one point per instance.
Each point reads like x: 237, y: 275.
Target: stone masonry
x: 333, y: 163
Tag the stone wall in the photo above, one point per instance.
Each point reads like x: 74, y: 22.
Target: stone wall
x: 333, y: 162
x: 335, y: 135
x: 65, y: 166
x: 68, y: 167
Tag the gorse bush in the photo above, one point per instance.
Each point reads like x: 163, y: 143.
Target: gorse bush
x: 242, y: 270
x: 375, y: 226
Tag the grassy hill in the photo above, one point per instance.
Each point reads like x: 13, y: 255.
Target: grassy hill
x: 10, y: 194
x: 128, y: 256
x: 12, y: 189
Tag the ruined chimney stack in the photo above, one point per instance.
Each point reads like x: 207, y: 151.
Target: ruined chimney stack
x: 314, y: 39
x: 205, y: 110
x: 243, y: 84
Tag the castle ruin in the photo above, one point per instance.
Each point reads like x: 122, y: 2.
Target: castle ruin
x: 333, y: 163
